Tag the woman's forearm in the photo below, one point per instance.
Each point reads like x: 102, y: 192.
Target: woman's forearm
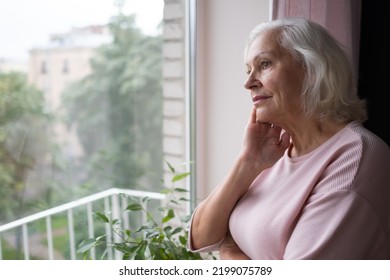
x: 210, y: 221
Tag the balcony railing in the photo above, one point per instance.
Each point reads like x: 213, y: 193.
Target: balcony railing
x: 21, y: 235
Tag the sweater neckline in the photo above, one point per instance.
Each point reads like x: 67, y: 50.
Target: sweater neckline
x: 326, y: 143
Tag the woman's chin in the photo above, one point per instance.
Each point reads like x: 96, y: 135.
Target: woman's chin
x: 261, y: 116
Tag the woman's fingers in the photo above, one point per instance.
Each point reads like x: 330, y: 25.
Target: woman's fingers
x: 285, y: 140
x: 252, y: 118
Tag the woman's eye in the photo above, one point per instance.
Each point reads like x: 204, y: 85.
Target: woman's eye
x: 265, y: 64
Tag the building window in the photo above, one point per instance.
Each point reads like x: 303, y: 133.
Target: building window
x: 65, y: 67
x: 43, y: 67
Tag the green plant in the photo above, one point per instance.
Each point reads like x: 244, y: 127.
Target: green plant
x: 164, y: 235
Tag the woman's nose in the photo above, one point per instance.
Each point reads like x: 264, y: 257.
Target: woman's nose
x: 252, y: 82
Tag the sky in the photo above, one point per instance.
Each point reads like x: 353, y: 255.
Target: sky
x: 25, y: 24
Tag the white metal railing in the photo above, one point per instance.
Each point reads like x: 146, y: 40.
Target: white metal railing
x: 112, y: 204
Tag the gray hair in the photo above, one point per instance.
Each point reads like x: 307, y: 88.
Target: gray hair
x: 329, y: 88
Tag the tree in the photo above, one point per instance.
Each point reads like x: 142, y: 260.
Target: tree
x: 118, y: 110
x: 22, y: 139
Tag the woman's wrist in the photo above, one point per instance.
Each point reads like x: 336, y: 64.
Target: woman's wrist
x: 249, y: 166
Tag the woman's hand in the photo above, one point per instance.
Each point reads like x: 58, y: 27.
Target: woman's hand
x: 263, y: 146
x: 263, y: 143
x: 229, y: 250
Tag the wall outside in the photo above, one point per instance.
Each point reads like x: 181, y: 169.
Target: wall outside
x: 174, y: 84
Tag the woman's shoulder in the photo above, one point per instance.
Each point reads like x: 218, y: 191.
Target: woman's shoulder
x: 357, y: 145
x: 372, y: 154
x: 358, y: 159
x: 371, y: 143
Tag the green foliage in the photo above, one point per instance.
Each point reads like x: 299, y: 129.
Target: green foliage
x: 118, y: 109
x: 117, y: 112
x: 163, y: 236
x: 22, y: 138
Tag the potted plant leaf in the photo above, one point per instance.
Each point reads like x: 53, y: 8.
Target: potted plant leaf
x: 163, y: 236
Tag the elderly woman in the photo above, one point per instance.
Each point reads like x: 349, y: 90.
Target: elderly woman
x: 310, y: 182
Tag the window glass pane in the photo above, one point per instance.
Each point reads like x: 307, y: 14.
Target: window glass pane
x: 81, y: 100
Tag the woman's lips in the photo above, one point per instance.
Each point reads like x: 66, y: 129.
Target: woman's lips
x: 259, y: 98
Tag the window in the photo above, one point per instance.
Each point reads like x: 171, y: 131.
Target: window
x: 65, y: 67
x: 115, y: 117
x: 43, y: 67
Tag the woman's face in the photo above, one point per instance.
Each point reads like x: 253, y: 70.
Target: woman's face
x: 274, y: 81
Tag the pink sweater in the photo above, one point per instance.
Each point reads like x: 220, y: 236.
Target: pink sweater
x: 333, y: 203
